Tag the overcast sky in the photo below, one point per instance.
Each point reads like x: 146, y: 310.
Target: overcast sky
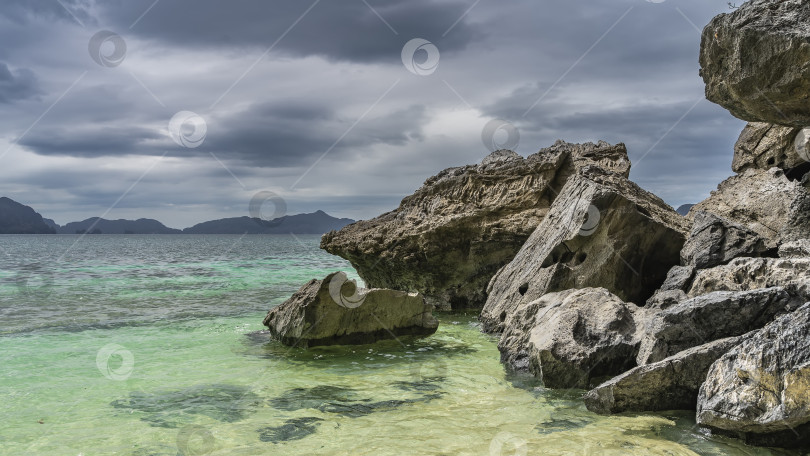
x: 314, y: 100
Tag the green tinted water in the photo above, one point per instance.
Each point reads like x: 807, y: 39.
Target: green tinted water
x: 148, y: 345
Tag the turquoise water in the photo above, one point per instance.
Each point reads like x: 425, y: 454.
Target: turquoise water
x: 151, y: 345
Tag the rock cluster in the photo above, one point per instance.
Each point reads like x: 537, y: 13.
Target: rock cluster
x: 450, y: 237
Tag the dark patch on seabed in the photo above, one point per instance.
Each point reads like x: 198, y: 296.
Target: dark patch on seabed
x: 292, y: 429
x: 174, y: 408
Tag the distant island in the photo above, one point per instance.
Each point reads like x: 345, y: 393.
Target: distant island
x: 17, y: 218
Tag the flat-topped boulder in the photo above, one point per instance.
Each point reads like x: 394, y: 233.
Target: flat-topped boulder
x: 601, y: 231
x: 741, y: 274
x: 760, y: 390
x: 333, y: 311
x: 669, y: 384
x: 448, y: 239
x: 755, y: 61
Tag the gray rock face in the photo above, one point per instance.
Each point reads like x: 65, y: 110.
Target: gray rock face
x: 792, y: 274
x: 670, y: 384
x: 764, y: 146
x: 761, y: 388
x: 452, y: 235
x: 765, y: 201
x: 715, y: 241
x: 333, y: 311
x: 755, y: 61
x: 573, y: 338
x: 795, y: 249
x: 710, y: 317
x: 673, y: 290
x: 601, y: 231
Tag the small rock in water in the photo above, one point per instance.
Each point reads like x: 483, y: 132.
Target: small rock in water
x: 292, y: 429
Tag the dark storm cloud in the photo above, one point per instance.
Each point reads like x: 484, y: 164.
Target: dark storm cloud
x: 335, y: 29
x: 17, y: 85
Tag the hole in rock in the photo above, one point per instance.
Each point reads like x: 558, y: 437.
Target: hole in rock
x: 523, y: 289
x: 503, y: 316
x: 796, y: 173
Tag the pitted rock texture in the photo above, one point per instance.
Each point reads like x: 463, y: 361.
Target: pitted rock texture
x: 601, y: 231
x: 741, y: 274
x: 573, y: 338
x: 450, y: 237
x: 715, y: 241
x: 755, y: 61
x: 765, y: 146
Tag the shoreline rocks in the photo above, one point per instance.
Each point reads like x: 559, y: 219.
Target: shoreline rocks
x: 450, y: 237
x: 333, y: 311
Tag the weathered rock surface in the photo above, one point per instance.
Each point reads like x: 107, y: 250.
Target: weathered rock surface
x: 761, y: 388
x: 449, y: 238
x: 795, y: 249
x: 765, y: 201
x: 673, y: 290
x: 333, y: 311
x: 573, y: 338
x: 670, y: 384
x: 792, y: 274
x: 765, y: 146
x: 755, y: 61
x: 601, y: 231
x: 710, y: 317
x: 715, y: 241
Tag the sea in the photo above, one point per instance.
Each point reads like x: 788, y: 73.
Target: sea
x: 152, y: 345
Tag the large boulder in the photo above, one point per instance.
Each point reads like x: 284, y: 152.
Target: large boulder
x: 333, y: 311
x: 755, y: 61
x: 764, y: 146
x: 741, y: 274
x: 710, y: 317
x: 601, y: 231
x: 715, y: 241
x: 449, y: 238
x: 673, y: 290
x: 765, y: 201
x: 670, y: 384
x: 573, y: 338
x: 760, y: 390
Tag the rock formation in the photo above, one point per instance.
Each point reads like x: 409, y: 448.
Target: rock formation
x: 601, y: 231
x: 448, y: 239
x: 715, y: 241
x: 754, y: 61
x: 669, y: 384
x: 333, y: 311
x: 710, y: 317
x: 572, y: 338
x: 760, y: 390
x: 765, y: 146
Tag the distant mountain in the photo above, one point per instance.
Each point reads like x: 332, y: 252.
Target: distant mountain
x: 684, y: 209
x: 16, y: 218
x: 315, y: 223
x: 140, y: 226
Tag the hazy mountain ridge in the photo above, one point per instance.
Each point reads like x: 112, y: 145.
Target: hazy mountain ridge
x: 17, y: 218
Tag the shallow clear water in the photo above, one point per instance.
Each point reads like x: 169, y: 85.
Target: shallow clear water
x: 149, y: 345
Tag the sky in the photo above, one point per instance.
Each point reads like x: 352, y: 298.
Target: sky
x: 192, y: 110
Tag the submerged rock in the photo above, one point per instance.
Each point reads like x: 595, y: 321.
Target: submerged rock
x: 765, y: 146
x: 448, y: 239
x: 669, y: 384
x: 710, y: 317
x: 333, y: 311
x: 760, y: 390
x: 715, y: 241
x: 572, y: 338
x: 755, y: 61
x: 601, y: 231
x: 292, y: 429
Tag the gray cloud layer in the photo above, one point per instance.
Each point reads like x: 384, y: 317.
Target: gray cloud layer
x: 621, y: 70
